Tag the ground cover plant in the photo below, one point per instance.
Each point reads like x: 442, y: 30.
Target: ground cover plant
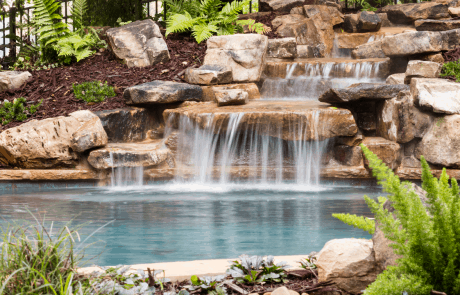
x: 17, y: 110
x: 427, y: 238
x: 93, y: 92
x: 257, y: 269
x: 451, y: 69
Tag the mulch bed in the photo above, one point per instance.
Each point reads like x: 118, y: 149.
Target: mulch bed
x: 55, y: 86
x: 452, y: 55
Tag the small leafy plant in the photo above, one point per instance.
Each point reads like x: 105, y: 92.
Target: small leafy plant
x: 360, y: 222
x: 451, y: 69
x: 93, y: 92
x: 208, y: 285
x: 17, y: 110
x: 257, y: 269
x: 309, y: 262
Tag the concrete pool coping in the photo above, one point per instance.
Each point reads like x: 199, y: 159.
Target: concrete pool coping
x: 183, y: 270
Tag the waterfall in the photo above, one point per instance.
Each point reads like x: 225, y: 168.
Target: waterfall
x: 234, y: 151
x: 125, y: 176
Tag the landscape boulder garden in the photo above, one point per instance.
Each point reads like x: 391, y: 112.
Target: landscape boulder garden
x: 139, y: 44
x: 409, y: 13
x: 42, y: 144
x: 368, y: 22
x: 225, y: 97
x: 159, y: 92
x: 279, y: 5
x: 441, y: 144
x: 250, y: 88
x: 422, y: 69
x: 209, y: 75
x: 348, y: 263
x: 243, y: 53
x: 90, y: 135
x: 396, y: 78
x: 386, y: 150
x: 362, y: 91
x: 437, y: 25
x: 398, y: 119
x: 10, y: 80
x: 129, y: 155
x: 369, y: 50
x: 282, y: 48
x: 437, y: 95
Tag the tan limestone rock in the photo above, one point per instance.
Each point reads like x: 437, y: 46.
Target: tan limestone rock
x: 282, y: 48
x: 438, y: 95
x: 330, y: 15
x: 209, y: 75
x: 387, y: 151
x: 281, y: 291
x: 225, y: 97
x: 13, y: 79
x: 90, y: 135
x: 454, y: 11
x: 51, y: 174
x: 250, y: 88
x: 348, y: 155
x: 408, y: 13
x: 422, y: 69
x: 396, y: 78
x: 369, y: 50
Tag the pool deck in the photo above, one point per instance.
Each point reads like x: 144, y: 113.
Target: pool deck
x: 182, y: 270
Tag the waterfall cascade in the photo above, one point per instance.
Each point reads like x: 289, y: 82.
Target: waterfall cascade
x: 125, y: 176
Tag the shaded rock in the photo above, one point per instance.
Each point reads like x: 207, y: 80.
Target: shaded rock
x: 348, y: 155
x: 128, y: 155
x: 349, y: 263
x: 412, y: 43
x: 437, y: 25
x: 342, y: 172
x: 450, y: 39
x: 129, y: 124
x: 387, y: 151
x: 454, y: 11
x: 408, y: 13
x: 282, y: 48
x: 367, y: 121
x: 51, y: 174
x: 250, y: 88
x: 278, y: 118
x: 438, y: 95
x: 370, y: 91
x: 172, y: 141
x: 441, y: 144
x: 161, y: 92
x: 368, y: 22
x: 279, y: 5
x: 225, y: 97
x: 369, y: 50
x: 13, y: 79
x: 435, y: 57
x: 330, y: 15
x: 400, y: 120
x: 282, y: 23
x: 385, y: 21
x: 243, y: 53
x: 209, y: 75
x: 40, y: 144
x: 416, y: 173
x: 90, y: 135
x: 396, y: 78
x: 351, y: 140
x: 411, y: 162
x: 306, y: 51
x: 139, y: 43
x: 350, y: 23
x: 422, y: 69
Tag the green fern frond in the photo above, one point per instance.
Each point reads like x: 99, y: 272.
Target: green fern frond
x: 235, y: 7
x: 78, y: 10
x: 83, y: 53
x: 203, y: 31
x: 180, y: 23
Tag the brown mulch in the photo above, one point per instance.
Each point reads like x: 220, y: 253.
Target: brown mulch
x: 452, y: 55
x: 267, y: 20
x: 55, y: 86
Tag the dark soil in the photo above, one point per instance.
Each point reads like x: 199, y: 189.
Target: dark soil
x: 55, y: 86
x: 267, y: 20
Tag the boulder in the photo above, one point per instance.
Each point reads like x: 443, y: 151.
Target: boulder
x: 282, y: 48
x: 437, y: 25
x: 368, y: 22
x: 348, y: 263
x: 387, y: 151
x: 250, y: 88
x: 129, y: 155
x: 306, y: 51
x: 158, y: 92
x: 408, y: 13
x: 434, y: 57
x: 368, y: 91
x: 279, y: 5
x: 42, y: 144
x: 398, y: 119
x: 350, y: 23
x: 450, y: 39
x: 350, y: 140
x: 243, y: 53
x: 330, y: 16
x: 441, y: 144
x: 315, y: 33
x: 396, y: 78
x: 454, y: 11
x: 369, y: 50
x: 90, y: 135
x: 225, y: 97
x: 209, y: 75
x: 282, y: 23
x: 348, y: 155
x: 385, y: 21
x: 422, y: 69
x: 438, y: 95
x: 412, y: 43
x: 13, y: 79
x: 139, y: 43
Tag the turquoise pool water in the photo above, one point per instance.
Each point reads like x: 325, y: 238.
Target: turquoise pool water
x: 181, y: 222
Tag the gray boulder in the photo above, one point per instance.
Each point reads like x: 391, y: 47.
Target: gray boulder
x: 368, y: 91
x: 225, y: 97
x: 139, y: 43
x: 90, y: 135
x: 157, y: 92
x: 282, y: 48
x: 13, y: 79
x: 209, y: 75
x: 368, y: 22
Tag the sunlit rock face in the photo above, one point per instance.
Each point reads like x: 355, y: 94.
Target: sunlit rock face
x: 408, y: 13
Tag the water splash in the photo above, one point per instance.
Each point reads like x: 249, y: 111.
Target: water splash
x: 123, y: 177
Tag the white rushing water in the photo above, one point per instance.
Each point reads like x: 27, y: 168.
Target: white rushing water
x: 125, y: 176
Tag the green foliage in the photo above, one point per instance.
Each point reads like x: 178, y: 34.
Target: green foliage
x: 361, y: 222
x: 107, y: 12
x: 93, y: 92
x: 17, y: 110
x: 206, y: 18
x: 78, y: 45
x: 427, y: 240
x: 256, y: 269
x: 122, y: 23
x: 209, y: 285
x: 309, y: 262
x: 451, y: 68
x: 369, y: 5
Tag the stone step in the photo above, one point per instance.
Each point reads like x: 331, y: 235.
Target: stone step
x: 352, y: 40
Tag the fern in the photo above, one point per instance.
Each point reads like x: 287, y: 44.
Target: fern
x: 47, y: 22
x: 78, y: 9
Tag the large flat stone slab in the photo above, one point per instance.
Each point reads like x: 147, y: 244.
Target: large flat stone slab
x: 368, y: 91
x: 437, y: 95
x: 158, y: 92
x: 408, y: 13
x: 274, y: 118
x: 437, y: 24
x: 129, y: 155
x: 52, y: 174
